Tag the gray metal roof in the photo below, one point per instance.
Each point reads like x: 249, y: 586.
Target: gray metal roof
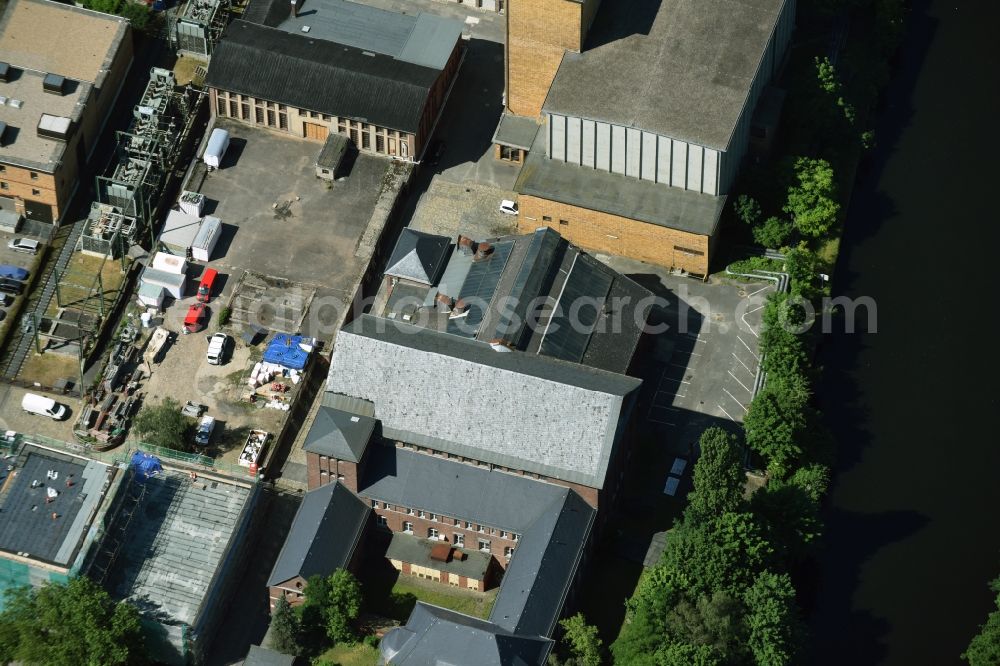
x: 26, y: 524
x: 686, y: 75
x: 418, y: 256
x: 498, y: 499
x: 333, y: 150
x: 408, y: 548
x: 323, y: 535
x: 420, y: 39
x: 541, y: 571
x: 618, y: 194
x: 258, y: 656
x: 458, y: 395
x: 339, y: 434
x: 335, y: 79
x: 516, y: 131
x: 553, y: 522
x: 435, y: 636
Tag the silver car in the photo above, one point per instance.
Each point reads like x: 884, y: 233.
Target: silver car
x: 24, y: 245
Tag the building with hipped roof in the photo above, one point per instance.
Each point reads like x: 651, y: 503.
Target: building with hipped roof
x: 336, y: 67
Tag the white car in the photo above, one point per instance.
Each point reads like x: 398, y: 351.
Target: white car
x: 508, y: 207
x: 24, y: 245
x: 203, y: 435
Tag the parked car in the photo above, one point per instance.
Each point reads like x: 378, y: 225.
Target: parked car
x: 13, y: 272
x: 5, y: 299
x: 11, y: 286
x: 205, y: 287
x: 218, y: 348
x: 24, y: 245
x: 196, y: 317
x: 193, y: 409
x: 39, y: 404
x: 508, y: 207
x: 203, y: 434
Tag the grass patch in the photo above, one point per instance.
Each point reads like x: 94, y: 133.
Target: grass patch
x: 358, y: 654
x: 47, y: 368
x: 184, y: 70
x: 79, y: 279
x: 407, y: 591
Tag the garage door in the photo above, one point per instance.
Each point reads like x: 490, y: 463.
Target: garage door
x: 314, y: 131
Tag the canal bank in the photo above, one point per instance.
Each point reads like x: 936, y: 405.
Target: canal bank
x: 911, y: 539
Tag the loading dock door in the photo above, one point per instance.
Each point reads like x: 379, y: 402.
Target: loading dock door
x: 315, y: 131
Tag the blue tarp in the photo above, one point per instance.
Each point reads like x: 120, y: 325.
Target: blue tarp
x: 284, y: 350
x: 14, y: 272
x: 145, y: 465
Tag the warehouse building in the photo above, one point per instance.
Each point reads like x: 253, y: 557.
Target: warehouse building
x: 54, y: 99
x: 623, y: 166
x: 374, y: 76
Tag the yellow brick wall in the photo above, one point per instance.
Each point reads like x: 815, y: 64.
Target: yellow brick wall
x: 538, y: 33
x: 19, y: 184
x: 603, y: 232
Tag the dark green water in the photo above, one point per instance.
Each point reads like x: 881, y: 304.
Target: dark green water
x: 913, y: 533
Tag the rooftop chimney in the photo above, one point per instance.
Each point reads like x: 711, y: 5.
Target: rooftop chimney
x: 465, y: 245
x: 444, y: 302
x: 483, y: 250
x: 295, y: 8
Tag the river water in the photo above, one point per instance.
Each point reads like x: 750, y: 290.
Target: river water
x: 912, y: 529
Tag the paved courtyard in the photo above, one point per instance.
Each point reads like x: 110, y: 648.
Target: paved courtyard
x: 281, y: 221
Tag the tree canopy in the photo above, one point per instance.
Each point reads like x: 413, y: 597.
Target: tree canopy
x: 284, y: 627
x: 582, y: 641
x: 984, y: 649
x: 718, y: 477
x: 812, y: 199
x: 334, y: 603
x: 164, y: 425
x: 70, y: 624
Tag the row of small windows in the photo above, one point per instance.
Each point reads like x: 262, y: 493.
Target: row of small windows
x: 33, y: 174
x: 5, y: 186
x: 433, y: 517
x: 458, y: 539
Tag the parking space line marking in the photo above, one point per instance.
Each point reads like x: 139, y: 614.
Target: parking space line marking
x: 743, y: 364
x: 725, y: 412
x: 738, y: 380
x: 748, y: 347
x: 758, y: 291
x: 734, y: 399
x: 671, y: 379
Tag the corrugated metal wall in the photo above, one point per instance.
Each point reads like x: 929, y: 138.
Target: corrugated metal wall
x: 662, y: 159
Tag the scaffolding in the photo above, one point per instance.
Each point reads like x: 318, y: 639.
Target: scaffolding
x: 197, y: 28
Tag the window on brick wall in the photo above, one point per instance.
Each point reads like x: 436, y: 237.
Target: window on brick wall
x: 259, y: 115
x: 434, y: 517
x: 565, y: 223
x: 270, y: 118
x: 503, y: 535
x: 409, y: 511
x: 34, y: 176
x: 687, y: 250
x: 484, y: 545
x: 459, y: 540
x: 546, y: 218
x: 508, y: 551
x: 433, y: 534
x: 480, y: 528
x: 374, y: 504
x: 408, y: 527
x: 381, y: 521
x: 385, y: 505
x: 457, y: 522
x: 468, y: 525
x: 515, y: 537
x: 423, y: 514
x: 4, y: 185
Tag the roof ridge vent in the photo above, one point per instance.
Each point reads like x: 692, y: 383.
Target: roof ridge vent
x: 15, y: 103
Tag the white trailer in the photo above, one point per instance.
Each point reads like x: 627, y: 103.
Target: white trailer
x: 208, y: 236
x: 218, y: 142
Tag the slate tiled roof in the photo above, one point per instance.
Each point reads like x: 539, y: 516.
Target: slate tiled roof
x: 323, y: 535
x: 271, y: 64
x: 434, y: 636
x: 339, y: 434
x: 418, y: 256
x: 457, y: 395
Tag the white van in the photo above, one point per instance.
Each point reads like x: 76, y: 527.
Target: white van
x: 39, y: 404
x: 218, y: 142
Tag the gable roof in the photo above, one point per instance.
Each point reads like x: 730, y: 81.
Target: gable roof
x: 335, y: 79
x: 435, y: 636
x: 339, y: 434
x: 418, y: 256
x: 458, y: 395
x: 259, y: 656
x: 323, y: 535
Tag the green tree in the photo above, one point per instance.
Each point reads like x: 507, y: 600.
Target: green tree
x: 802, y: 265
x: 776, y: 424
x: 284, y: 627
x: 164, y: 425
x: 137, y: 14
x: 715, y: 621
x: 582, y: 641
x: 70, y: 624
x: 830, y: 84
x: 812, y: 200
x: 789, y: 510
x: 106, y: 6
x: 335, y: 603
x: 722, y: 555
x: 718, y: 477
x: 685, y: 654
x: 747, y: 209
x: 773, y: 233
x: 984, y: 649
x: 774, y: 627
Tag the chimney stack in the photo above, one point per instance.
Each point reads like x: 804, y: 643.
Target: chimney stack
x: 295, y: 8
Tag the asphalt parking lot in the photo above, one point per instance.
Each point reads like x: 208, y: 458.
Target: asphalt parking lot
x: 281, y: 221
x: 709, y: 376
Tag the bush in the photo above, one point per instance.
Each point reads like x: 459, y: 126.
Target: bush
x: 164, y: 425
x: 224, y: 315
x: 773, y: 233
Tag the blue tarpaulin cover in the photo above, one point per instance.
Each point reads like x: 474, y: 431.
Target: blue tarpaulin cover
x: 145, y: 465
x: 284, y: 350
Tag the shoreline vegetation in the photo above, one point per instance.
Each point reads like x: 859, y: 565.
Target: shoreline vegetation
x: 726, y: 590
